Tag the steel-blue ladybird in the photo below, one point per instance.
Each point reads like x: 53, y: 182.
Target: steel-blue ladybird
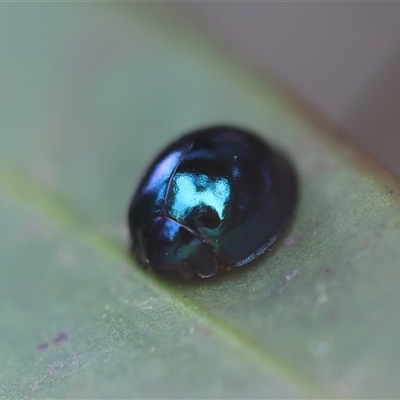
x: 216, y: 197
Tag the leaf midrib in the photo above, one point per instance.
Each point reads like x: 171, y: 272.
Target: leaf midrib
x: 18, y: 185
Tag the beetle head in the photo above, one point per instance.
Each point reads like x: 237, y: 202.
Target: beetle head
x: 169, y: 248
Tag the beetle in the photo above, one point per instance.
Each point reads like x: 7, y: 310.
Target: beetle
x: 217, y: 197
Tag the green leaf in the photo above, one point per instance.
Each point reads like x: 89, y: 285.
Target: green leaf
x: 90, y: 92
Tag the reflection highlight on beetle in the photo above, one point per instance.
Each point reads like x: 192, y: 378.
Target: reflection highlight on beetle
x: 198, y: 191
x: 216, y: 197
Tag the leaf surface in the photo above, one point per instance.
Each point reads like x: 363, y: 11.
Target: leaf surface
x: 92, y: 92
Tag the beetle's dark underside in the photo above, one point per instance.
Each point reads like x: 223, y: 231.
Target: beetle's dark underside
x: 216, y: 197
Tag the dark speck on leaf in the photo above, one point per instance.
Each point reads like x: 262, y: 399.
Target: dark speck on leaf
x: 42, y: 347
x: 61, y: 338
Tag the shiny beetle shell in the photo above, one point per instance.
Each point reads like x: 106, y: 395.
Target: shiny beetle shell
x: 214, y: 198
